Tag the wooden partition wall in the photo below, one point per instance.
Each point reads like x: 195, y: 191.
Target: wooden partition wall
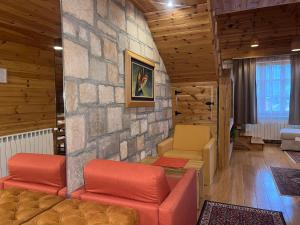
x: 196, y: 103
x: 27, y: 100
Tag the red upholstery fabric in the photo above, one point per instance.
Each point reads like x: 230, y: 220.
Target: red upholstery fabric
x: 170, y: 162
x: 144, y: 183
x: 2, y: 180
x: 32, y: 186
x: 180, y: 207
x: 173, y: 180
x: 38, y: 168
x: 148, y: 212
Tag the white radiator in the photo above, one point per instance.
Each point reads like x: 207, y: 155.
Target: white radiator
x: 267, y: 131
x: 40, y: 141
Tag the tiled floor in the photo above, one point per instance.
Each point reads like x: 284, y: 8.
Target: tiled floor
x: 249, y: 182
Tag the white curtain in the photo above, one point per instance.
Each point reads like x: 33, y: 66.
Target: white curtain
x: 273, y: 83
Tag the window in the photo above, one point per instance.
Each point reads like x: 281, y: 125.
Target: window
x: 273, y: 85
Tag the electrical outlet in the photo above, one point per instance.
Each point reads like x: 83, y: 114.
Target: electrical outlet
x: 3, y: 76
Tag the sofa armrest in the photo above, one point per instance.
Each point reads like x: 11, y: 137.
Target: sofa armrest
x: 78, y: 192
x: 2, y: 180
x: 180, y: 207
x: 210, y: 161
x: 165, y: 146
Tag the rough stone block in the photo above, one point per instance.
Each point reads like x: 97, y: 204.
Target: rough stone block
x: 114, y: 119
x: 106, y: 94
x: 112, y: 74
x: 76, y: 62
x: 88, y: 93
x: 71, y: 96
x: 130, y: 10
x: 119, y: 93
x: 95, y: 45
x: 123, y: 150
x: 132, y: 29
x: 123, y: 42
x: 97, y: 69
x: 81, y: 9
x: 110, y: 50
x: 144, y: 126
x: 135, y: 46
x: 140, y: 142
x: 117, y: 16
x: 135, y: 128
x: 83, y: 34
x: 108, y: 146
x: 106, y: 29
x: 102, y: 7
x: 97, y: 118
x: 75, y: 133
x: 69, y: 27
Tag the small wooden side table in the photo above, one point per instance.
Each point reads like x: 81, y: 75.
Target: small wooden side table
x: 191, y: 164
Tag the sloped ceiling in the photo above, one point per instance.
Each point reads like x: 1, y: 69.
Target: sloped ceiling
x: 184, y: 38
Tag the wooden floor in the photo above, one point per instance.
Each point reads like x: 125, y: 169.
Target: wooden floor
x: 249, y: 182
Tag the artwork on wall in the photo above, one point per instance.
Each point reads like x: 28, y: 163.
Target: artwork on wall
x: 140, y: 81
x: 3, y: 76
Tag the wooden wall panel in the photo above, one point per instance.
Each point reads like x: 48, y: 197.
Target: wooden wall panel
x: 27, y: 101
x: 196, y: 103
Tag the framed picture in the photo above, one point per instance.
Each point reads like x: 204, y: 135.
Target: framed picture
x: 139, y: 81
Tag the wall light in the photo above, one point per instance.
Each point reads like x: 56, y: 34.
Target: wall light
x: 295, y: 45
x: 58, y: 44
x: 254, y: 42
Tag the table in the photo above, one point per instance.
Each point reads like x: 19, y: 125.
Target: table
x: 191, y: 164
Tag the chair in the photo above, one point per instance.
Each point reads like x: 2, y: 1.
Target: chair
x: 159, y: 200
x: 37, y: 172
x: 192, y: 142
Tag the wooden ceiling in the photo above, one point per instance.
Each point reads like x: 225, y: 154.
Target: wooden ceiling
x: 184, y: 38
x: 274, y: 27
x: 229, y: 6
x: 35, y: 22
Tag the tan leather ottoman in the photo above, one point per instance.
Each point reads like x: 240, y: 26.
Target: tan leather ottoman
x: 18, y: 206
x: 76, y: 212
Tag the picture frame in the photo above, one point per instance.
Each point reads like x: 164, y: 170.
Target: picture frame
x: 139, y: 81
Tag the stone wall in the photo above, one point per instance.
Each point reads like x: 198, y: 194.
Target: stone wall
x: 98, y: 125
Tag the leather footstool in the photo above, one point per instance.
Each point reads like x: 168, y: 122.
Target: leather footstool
x: 76, y: 212
x: 18, y: 205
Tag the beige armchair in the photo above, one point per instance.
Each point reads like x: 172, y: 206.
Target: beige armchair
x: 192, y: 142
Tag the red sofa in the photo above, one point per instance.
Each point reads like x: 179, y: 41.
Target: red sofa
x: 38, y: 172
x: 160, y: 200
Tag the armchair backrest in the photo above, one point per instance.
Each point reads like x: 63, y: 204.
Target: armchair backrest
x: 191, y: 137
x: 38, y: 168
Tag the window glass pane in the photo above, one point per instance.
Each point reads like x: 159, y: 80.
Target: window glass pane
x: 273, y: 85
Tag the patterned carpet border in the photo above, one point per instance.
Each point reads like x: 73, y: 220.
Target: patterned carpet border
x: 293, y: 155
x: 205, y: 219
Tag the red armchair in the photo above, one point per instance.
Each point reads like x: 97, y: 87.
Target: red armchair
x: 160, y: 200
x: 38, y: 172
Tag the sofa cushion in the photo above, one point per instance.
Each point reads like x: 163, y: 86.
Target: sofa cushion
x: 196, y: 155
x: 135, y: 181
x: 38, y: 168
x: 18, y: 206
x: 191, y: 137
x: 75, y: 212
x: 289, y: 133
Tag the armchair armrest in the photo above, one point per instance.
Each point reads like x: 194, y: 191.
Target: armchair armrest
x: 210, y: 159
x: 2, y: 180
x: 180, y: 207
x: 165, y: 146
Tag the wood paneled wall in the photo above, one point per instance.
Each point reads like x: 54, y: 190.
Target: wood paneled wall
x: 27, y: 101
x: 196, y: 103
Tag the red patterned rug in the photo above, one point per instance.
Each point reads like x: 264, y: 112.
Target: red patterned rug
x: 287, y: 180
x: 294, y: 156
x: 215, y: 213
